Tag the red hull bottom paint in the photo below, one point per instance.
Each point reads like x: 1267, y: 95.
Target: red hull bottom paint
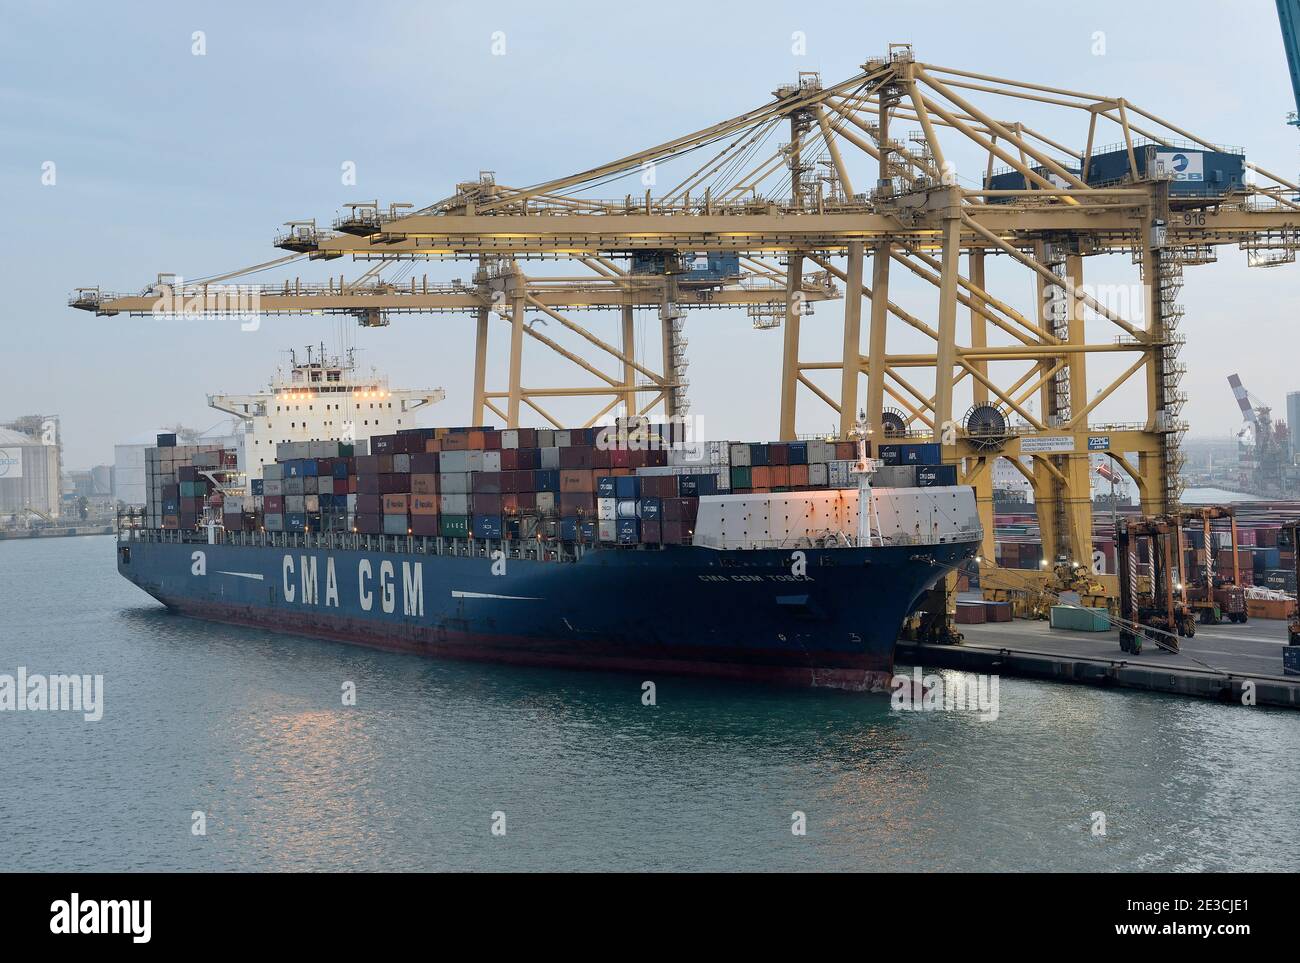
x: 439, y: 643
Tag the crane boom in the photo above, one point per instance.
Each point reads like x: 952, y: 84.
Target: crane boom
x: 1288, y: 15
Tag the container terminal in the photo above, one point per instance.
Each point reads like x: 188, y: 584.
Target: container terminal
x: 824, y: 193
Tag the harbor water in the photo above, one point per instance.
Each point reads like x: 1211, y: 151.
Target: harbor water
x: 244, y: 735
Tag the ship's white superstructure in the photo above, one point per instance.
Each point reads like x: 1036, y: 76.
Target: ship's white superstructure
x: 323, y: 398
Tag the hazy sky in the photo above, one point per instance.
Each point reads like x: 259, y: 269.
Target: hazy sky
x: 167, y: 161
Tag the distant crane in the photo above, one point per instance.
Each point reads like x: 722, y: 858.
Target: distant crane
x: 1262, y: 442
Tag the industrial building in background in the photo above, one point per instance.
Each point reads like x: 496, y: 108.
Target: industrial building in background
x: 30, y: 469
x: 320, y: 397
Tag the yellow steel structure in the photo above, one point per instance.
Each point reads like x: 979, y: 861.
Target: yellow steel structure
x: 795, y: 201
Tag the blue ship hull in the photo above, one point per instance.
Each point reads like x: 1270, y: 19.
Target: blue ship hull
x: 680, y: 610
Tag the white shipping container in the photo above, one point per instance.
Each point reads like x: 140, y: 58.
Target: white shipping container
x: 491, y: 461
x: 510, y: 438
x: 817, y: 474
x: 607, y: 531
x: 545, y: 437
x: 606, y: 509
x: 463, y: 461
x: 453, y: 503
x: 563, y: 439
x: 550, y: 458
x: 546, y: 501
x: 457, y: 483
x: 740, y: 456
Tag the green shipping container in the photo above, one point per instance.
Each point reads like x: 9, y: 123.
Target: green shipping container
x: 1079, y: 619
x: 741, y: 477
x: 453, y: 526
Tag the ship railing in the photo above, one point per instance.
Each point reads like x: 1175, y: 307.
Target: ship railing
x: 531, y: 549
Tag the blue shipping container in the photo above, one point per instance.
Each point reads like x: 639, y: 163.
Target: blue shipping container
x: 926, y: 454
x: 605, y: 487
x: 627, y: 486
x: 629, y: 531
x: 486, y: 526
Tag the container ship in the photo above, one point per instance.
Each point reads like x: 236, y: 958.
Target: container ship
x: 619, y: 548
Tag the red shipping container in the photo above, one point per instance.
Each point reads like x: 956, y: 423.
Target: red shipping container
x: 527, y: 437
x: 486, y: 503
x: 509, y: 459
x: 527, y: 501
x: 368, y: 504
x: 424, y: 484
x: 424, y: 525
x: 368, y: 524
x: 367, y: 464
x: 778, y: 454
x: 340, y: 486
x: 600, y: 458
x: 577, y: 457
x: 530, y: 459
x: 424, y: 463
x: 675, y: 533
x: 680, y: 510
x: 509, y: 479
x: 846, y: 450
x: 392, y: 484
x: 576, y: 480
x: 486, y: 481
x: 509, y: 501
x: 577, y: 503
x: 651, y: 532
x: 618, y: 458
x: 491, y: 440
x: 273, y: 504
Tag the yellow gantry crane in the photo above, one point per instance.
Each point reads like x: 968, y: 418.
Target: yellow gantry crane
x: 846, y: 185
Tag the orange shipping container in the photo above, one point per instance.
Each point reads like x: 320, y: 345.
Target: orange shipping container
x: 458, y: 441
x: 780, y: 476
x: 577, y: 480
x: 424, y: 484
x: 433, y: 444
x: 420, y: 504
x: 760, y: 477
x: 476, y: 441
x: 798, y: 476
x: 396, y: 504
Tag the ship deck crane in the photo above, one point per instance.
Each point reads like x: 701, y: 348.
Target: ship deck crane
x: 747, y: 187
